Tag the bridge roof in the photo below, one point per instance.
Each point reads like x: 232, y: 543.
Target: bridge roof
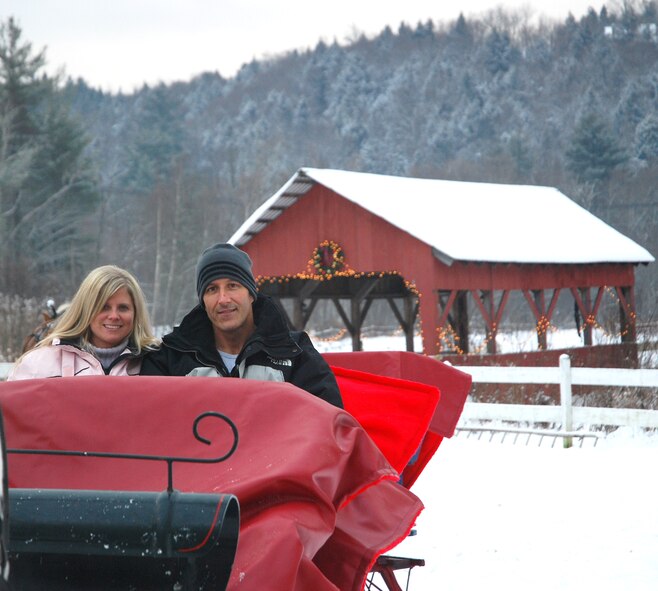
x: 466, y: 221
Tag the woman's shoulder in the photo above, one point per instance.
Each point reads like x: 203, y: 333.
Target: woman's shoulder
x: 35, y: 363
x: 43, y: 362
x: 44, y: 352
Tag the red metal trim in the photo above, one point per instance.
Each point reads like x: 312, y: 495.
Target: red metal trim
x: 208, y: 533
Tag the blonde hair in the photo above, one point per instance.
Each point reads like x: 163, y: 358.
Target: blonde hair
x: 94, y: 291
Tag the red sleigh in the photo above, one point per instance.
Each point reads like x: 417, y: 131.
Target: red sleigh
x: 113, y: 482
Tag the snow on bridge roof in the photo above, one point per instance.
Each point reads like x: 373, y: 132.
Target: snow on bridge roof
x: 467, y: 221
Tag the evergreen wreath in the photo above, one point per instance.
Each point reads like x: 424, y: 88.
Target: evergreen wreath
x: 328, y: 258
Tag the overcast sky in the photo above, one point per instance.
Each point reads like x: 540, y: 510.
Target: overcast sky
x: 121, y: 44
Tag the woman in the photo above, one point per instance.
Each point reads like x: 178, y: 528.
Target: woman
x: 105, y: 331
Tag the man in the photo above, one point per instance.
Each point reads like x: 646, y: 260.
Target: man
x: 237, y: 332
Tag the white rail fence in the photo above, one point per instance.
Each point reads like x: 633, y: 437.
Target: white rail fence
x: 565, y: 415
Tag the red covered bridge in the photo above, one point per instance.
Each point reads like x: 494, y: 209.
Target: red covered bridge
x: 438, y: 251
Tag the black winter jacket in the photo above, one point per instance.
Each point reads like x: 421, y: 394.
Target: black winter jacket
x: 273, y: 352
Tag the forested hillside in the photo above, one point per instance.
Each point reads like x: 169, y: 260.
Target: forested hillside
x: 146, y: 180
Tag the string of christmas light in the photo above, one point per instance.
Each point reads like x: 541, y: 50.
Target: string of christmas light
x: 543, y: 324
x: 281, y: 279
x: 484, y: 344
x: 593, y: 324
x: 447, y: 339
x: 630, y: 313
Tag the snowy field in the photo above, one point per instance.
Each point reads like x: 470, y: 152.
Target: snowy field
x: 506, y: 342
x: 528, y: 517
x: 511, y: 517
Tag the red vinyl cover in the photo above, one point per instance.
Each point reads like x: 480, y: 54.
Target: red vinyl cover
x: 453, y: 384
x: 319, y: 501
x: 395, y: 413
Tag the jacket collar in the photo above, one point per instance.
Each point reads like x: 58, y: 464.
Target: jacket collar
x: 129, y: 350
x: 195, y: 331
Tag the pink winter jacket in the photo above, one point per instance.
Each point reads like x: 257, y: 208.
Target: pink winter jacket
x: 66, y: 360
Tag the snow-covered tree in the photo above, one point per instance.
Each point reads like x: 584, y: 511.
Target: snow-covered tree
x: 594, y: 152
x: 47, y: 185
x: 646, y: 138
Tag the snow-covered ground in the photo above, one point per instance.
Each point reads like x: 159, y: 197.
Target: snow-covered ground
x: 505, y: 516
x: 511, y: 517
x: 506, y: 342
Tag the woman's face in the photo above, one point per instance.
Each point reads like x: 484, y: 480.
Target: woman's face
x: 114, y: 323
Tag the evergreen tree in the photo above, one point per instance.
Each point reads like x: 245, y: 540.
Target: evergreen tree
x: 629, y: 19
x: 500, y: 54
x: 594, y: 152
x: 47, y: 190
x: 646, y: 138
x: 461, y: 29
x: 586, y: 32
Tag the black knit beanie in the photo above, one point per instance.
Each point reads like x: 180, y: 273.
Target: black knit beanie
x: 221, y: 261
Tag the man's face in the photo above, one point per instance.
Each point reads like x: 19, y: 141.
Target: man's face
x: 228, y: 305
